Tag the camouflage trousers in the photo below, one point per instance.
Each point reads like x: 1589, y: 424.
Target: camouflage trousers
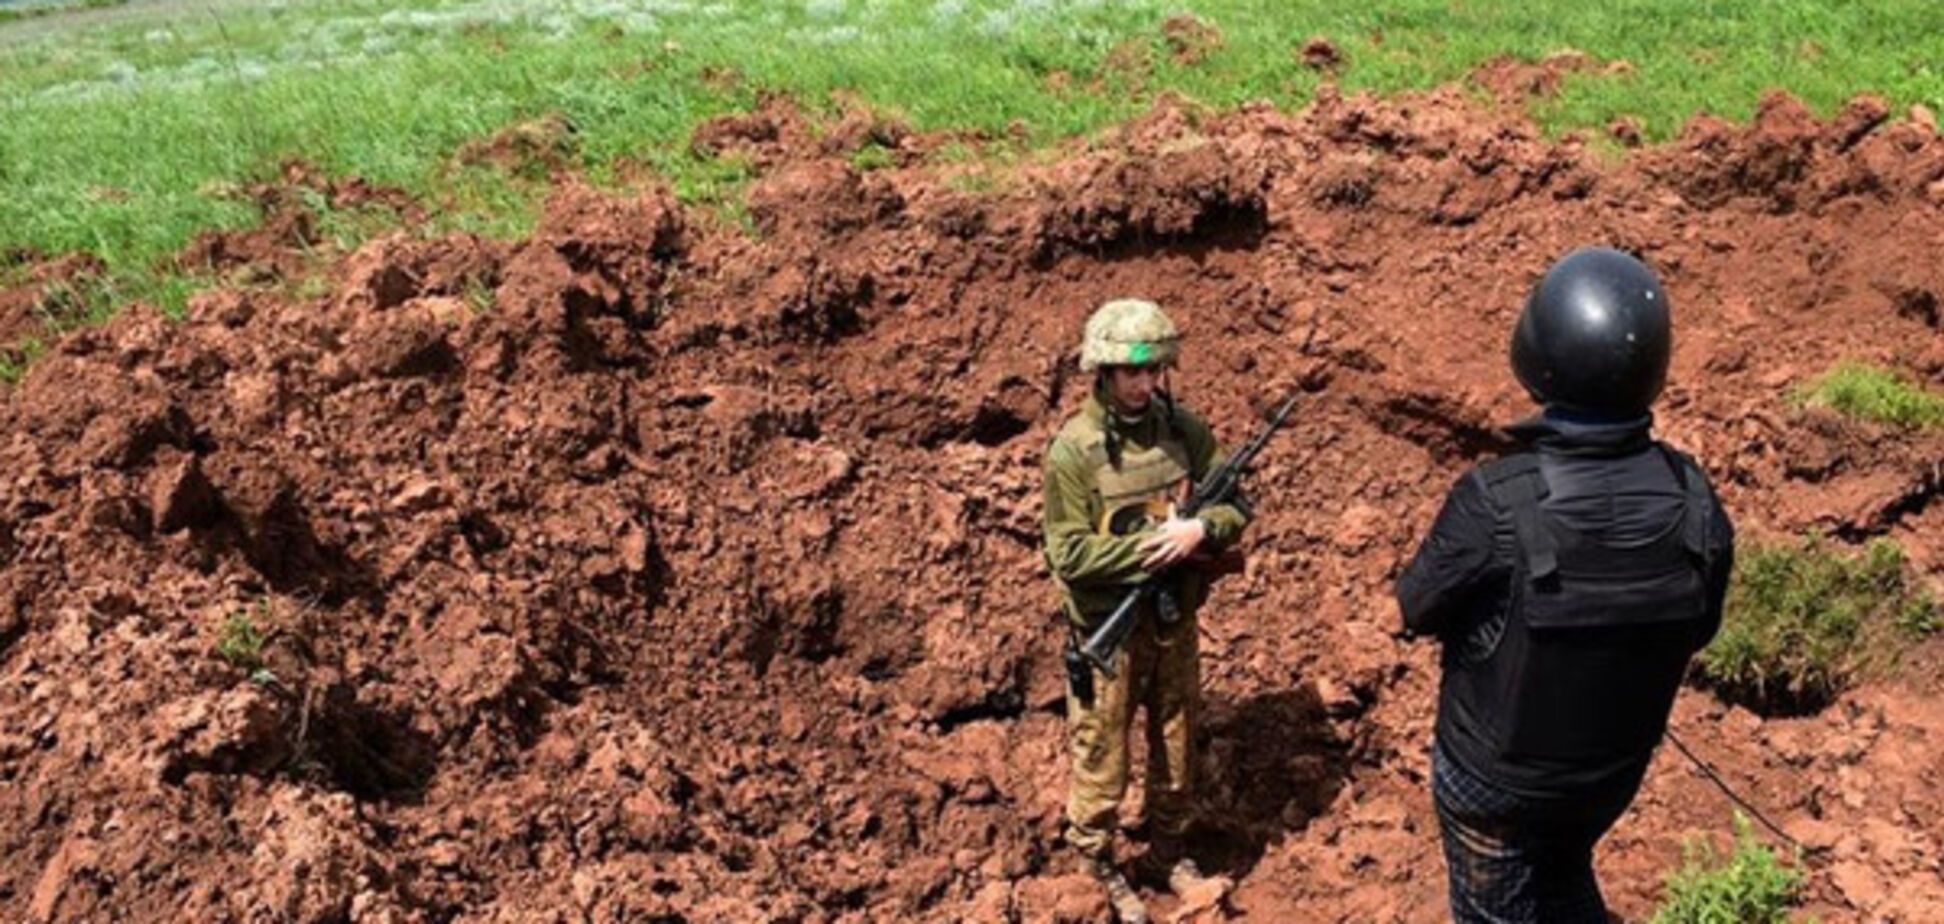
x: 1160, y: 674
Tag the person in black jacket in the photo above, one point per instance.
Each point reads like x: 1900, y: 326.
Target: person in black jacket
x: 1569, y: 585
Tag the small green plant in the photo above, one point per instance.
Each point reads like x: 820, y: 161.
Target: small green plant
x: 1802, y: 620
x: 976, y: 182
x: 1871, y: 393
x: 65, y: 305
x: 720, y: 186
x: 15, y: 358
x: 240, y: 642
x: 479, y: 296
x: 1919, y: 616
x: 873, y: 157
x: 312, y: 285
x: 714, y: 181
x: 1751, y: 886
x: 349, y: 227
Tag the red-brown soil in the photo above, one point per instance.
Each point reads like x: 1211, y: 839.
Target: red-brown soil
x: 649, y: 570
x: 286, y: 242
x: 38, y: 294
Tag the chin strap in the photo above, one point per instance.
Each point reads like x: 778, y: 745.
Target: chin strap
x: 1112, y: 441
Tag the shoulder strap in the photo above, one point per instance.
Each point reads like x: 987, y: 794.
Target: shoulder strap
x: 1698, y: 500
x: 1178, y: 430
x: 1517, y: 486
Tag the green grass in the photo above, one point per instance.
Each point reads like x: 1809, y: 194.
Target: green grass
x: 1804, y: 620
x: 1871, y: 393
x: 117, y: 137
x: 11, y: 12
x: 15, y: 359
x: 1750, y: 886
x: 873, y: 157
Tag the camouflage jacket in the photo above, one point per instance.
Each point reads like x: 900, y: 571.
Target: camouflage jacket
x: 1099, y: 461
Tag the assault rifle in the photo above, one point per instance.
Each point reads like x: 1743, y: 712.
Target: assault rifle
x: 1218, y: 487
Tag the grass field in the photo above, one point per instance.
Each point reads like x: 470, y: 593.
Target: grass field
x: 127, y: 136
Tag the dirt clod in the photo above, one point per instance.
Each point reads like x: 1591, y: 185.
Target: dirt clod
x: 1320, y: 54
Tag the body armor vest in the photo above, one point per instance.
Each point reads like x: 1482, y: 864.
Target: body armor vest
x: 1137, y: 487
x: 1142, y: 489
x: 1597, y: 637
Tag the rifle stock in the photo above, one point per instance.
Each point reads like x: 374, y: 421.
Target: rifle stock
x: 1106, y: 641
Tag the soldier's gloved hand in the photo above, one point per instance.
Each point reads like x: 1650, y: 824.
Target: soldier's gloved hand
x: 1174, y: 540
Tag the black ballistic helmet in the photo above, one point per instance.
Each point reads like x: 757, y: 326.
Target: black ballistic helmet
x: 1595, y: 335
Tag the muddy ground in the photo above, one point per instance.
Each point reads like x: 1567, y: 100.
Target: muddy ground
x: 659, y: 569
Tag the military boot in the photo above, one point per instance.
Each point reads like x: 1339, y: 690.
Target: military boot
x: 1127, y: 904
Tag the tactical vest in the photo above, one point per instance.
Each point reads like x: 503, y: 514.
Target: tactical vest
x: 1134, y: 486
x: 1143, y: 484
x: 1596, y: 638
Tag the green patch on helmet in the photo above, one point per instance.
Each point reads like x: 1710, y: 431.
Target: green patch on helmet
x: 1140, y: 354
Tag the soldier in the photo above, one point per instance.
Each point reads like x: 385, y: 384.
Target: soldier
x: 1112, y: 474
x: 1569, y: 584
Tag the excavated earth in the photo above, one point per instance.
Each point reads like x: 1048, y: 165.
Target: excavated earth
x: 654, y: 569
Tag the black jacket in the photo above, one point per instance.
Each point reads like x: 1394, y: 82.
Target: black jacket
x: 1609, y: 482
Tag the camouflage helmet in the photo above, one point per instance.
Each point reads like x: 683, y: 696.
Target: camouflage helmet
x: 1129, y: 332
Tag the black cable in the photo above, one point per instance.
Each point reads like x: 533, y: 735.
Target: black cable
x: 1721, y: 784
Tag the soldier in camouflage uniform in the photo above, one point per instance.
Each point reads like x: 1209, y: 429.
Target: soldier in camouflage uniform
x: 1112, y: 475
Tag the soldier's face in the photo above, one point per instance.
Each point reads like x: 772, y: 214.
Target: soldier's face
x: 1132, y: 387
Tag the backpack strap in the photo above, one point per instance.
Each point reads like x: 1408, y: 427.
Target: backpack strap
x: 1517, y: 486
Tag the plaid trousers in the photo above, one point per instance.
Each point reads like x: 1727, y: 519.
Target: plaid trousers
x: 1519, y: 860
